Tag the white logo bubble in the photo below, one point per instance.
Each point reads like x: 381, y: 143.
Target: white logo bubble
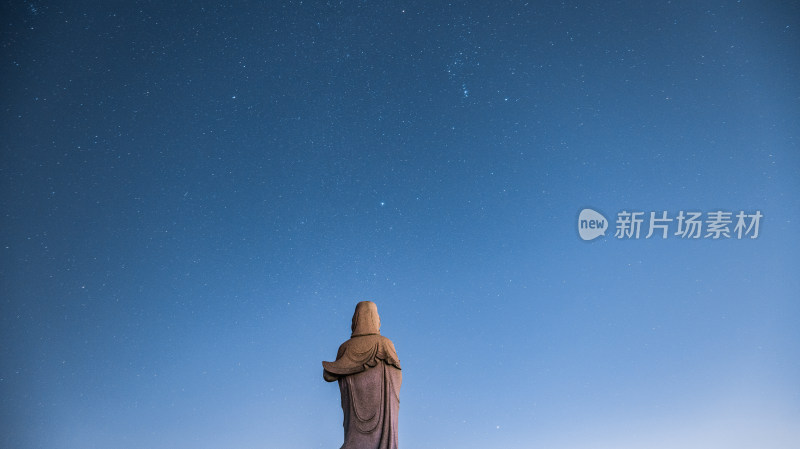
x: 591, y: 224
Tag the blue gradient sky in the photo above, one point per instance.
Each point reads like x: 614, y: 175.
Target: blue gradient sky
x: 196, y: 196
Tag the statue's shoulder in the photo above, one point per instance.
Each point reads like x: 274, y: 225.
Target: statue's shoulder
x: 343, y: 348
x: 362, y: 342
x: 387, y: 351
x: 386, y: 340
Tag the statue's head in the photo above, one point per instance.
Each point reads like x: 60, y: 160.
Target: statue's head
x: 366, y: 320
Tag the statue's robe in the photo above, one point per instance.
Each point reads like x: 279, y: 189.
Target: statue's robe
x: 369, y: 376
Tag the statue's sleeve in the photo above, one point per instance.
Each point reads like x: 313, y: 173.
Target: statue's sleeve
x: 327, y: 375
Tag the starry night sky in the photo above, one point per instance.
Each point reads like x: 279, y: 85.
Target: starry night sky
x: 195, y: 195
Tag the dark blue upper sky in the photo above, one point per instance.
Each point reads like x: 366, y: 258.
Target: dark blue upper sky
x: 196, y: 195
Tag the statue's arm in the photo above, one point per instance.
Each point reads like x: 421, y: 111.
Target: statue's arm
x: 328, y: 376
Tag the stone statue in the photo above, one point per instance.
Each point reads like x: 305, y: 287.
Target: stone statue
x: 369, y: 378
